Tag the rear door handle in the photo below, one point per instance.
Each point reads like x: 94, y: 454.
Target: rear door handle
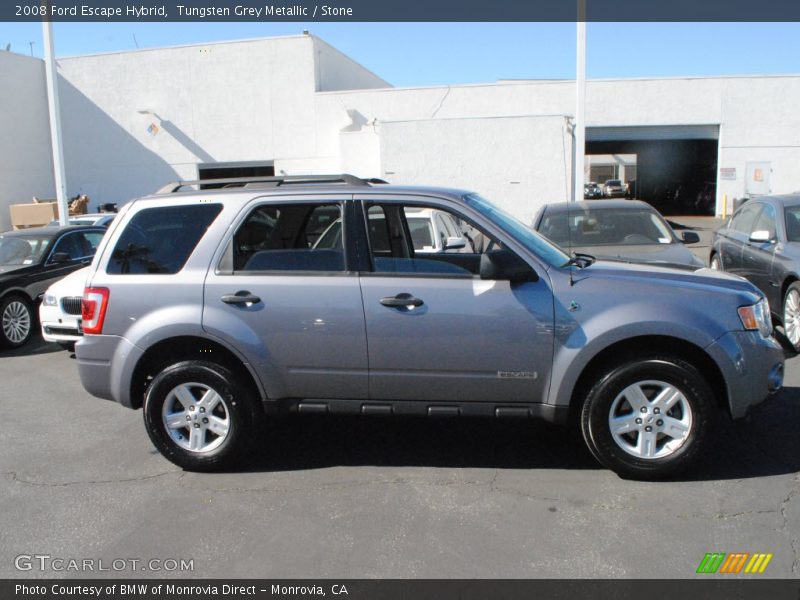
x: 241, y: 297
x: 402, y: 301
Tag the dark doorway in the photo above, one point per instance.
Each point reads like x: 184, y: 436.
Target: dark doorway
x: 676, y: 165
x: 233, y: 170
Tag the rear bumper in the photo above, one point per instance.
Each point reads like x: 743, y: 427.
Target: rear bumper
x: 752, y: 367
x: 101, y: 362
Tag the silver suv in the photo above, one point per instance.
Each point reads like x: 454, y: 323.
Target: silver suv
x: 215, y: 309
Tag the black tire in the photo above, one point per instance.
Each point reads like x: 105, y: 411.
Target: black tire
x: 596, y: 411
x: 243, y: 414
x: 17, y: 301
x: 794, y: 288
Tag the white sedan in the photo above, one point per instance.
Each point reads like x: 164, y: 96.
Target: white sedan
x: 60, y: 310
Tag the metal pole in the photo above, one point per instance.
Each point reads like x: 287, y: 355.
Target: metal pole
x: 579, y: 132
x: 55, y: 122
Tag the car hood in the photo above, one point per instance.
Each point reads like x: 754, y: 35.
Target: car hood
x: 71, y: 285
x: 9, y: 272
x: 671, y: 255
x: 647, y: 273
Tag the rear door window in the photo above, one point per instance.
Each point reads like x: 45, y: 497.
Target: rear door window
x: 160, y: 240
x: 290, y: 237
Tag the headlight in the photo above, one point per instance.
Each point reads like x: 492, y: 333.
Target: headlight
x: 50, y: 300
x: 757, y: 317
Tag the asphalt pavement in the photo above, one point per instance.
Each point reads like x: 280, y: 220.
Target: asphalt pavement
x: 347, y: 497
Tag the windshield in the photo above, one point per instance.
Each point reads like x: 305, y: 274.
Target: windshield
x: 22, y: 249
x: 605, y: 227
x: 526, y: 236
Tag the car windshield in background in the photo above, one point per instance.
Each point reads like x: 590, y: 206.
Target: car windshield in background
x: 606, y: 227
x: 792, y: 215
x: 526, y: 236
x: 22, y: 249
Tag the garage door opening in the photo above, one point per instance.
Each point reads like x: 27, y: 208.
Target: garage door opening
x: 672, y: 168
x: 229, y: 170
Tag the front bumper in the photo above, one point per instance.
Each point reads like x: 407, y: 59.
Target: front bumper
x: 751, y: 366
x: 58, y: 326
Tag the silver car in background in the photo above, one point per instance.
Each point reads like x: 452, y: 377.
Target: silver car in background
x: 629, y: 230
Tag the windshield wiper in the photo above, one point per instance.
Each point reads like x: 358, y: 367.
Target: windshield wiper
x: 580, y: 260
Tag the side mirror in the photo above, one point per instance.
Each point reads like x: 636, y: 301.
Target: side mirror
x: 455, y: 243
x: 60, y: 258
x: 690, y: 237
x: 762, y: 236
x: 504, y: 265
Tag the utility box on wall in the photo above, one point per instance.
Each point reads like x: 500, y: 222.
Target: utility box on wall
x: 757, y: 178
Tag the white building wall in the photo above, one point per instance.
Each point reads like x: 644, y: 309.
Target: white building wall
x: 286, y: 100
x: 236, y: 101
x: 757, y: 117
x: 474, y: 154
x: 26, y: 161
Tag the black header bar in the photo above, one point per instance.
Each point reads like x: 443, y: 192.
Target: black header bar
x: 399, y: 10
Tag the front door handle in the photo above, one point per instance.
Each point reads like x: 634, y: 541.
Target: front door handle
x: 241, y: 297
x: 402, y: 301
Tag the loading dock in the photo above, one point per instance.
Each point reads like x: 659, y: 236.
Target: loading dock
x: 675, y: 166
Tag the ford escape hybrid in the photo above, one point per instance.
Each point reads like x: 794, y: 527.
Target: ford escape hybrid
x: 214, y: 309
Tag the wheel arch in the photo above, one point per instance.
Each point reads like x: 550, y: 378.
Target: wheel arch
x: 662, y: 345
x: 187, y: 347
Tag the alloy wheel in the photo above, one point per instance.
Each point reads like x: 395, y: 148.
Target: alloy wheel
x: 196, y: 417
x: 791, y: 317
x: 16, y: 322
x: 650, y: 419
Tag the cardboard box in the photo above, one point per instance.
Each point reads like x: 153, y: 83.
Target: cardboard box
x: 33, y: 215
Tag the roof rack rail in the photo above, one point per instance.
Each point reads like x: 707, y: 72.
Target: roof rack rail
x: 272, y: 181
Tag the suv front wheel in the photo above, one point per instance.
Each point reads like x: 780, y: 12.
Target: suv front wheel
x: 198, y: 417
x: 647, y: 418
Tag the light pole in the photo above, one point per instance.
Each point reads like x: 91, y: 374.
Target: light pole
x: 55, y: 123
x: 579, y: 131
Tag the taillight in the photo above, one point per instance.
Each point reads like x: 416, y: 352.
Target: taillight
x: 93, y: 309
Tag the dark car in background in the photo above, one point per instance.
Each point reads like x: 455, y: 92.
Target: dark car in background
x: 592, y: 191
x: 629, y: 230
x: 31, y: 260
x: 761, y: 242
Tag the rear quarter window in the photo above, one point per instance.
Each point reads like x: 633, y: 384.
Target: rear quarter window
x: 160, y: 240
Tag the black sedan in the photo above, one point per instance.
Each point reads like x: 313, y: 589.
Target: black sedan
x: 592, y: 191
x: 30, y: 260
x: 761, y: 242
x: 629, y: 230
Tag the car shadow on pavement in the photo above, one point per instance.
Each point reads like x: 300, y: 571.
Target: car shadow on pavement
x: 764, y: 444
x: 35, y: 346
x: 309, y: 442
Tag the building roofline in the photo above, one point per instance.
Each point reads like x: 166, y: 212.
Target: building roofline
x: 182, y: 46
x: 522, y: 82
x: 349, y: 58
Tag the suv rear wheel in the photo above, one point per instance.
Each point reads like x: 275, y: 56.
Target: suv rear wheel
x: 647, y: 418
x: 198, y: 417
